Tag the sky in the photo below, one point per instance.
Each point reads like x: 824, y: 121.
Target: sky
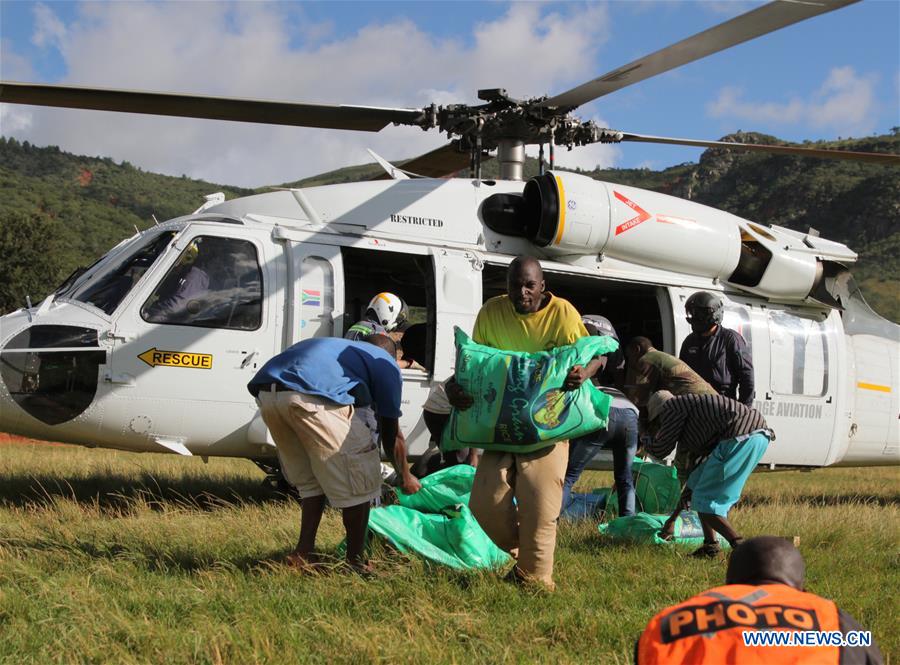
x: 836, y: 75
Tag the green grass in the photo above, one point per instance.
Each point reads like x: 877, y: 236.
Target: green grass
x: 118, y: 557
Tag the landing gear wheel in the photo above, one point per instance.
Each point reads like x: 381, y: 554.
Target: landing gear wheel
x: 275, y: 479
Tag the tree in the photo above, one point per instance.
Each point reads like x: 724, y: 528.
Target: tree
x: 35, y: 258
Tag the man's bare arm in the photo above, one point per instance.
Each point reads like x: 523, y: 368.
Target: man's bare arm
x: 581, y: 373
x: 390, y: 431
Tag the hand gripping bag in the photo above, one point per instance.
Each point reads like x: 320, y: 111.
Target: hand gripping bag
x: 442, y: 489
x: 519, y: 404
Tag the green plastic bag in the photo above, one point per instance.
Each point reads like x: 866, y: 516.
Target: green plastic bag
x: 656, y: 488
x: 436, y: 523
x: 519, y: 404
x: 451, y: 537
x: 442, y: 489
x: 644, y: 528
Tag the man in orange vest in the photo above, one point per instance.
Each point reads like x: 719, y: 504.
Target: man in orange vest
x: 761, y: 616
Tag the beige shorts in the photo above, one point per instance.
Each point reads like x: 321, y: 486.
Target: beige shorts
x: 324, y: 447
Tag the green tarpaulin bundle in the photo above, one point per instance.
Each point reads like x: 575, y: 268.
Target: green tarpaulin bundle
x: 656, y: 488
x: 519, y: 404
x: 436, y: 523
x: 644, y: 528
x: 440, y: 490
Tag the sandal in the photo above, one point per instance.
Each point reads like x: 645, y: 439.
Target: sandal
x: 707, y: 551
x: 310, y: 563
x: 363, y: 569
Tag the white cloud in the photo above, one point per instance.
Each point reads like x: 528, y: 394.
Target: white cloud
x: 845, y: 101
x: 251, y: 50
x: 14, y: 119
x: 588, y: 157
x: 730, y: 104
x: 49, y: 31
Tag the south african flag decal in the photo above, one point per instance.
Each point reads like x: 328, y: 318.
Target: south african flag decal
x: 311, y: 298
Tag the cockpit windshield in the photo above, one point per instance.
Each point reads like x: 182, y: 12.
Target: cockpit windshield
x: 106, y: 289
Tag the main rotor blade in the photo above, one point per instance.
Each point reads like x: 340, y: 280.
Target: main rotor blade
x: 438, y: 163
x: 873, y: 157
x: 745, y: 27
x: 360, y: 118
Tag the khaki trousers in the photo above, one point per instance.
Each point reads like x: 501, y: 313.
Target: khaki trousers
x: 526, y: 529
x: 324, y: 447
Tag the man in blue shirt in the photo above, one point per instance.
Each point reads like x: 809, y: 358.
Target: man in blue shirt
x: 308, y: 396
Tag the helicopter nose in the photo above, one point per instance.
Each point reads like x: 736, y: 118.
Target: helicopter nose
x: 51, y: 372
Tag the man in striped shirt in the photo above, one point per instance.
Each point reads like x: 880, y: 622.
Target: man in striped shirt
x: 720, y: 441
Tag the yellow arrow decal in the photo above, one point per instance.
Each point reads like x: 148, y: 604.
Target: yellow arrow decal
x: 155, y: 357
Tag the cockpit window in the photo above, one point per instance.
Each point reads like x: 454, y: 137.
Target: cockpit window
x: 69, y: 282
x: 107, y: 288
x: 216, y: 283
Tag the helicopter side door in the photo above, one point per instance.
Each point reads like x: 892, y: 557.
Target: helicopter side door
x: 190, y: 340
x: 800, y: 400
x: 409, y: 272
x: 315, y: 303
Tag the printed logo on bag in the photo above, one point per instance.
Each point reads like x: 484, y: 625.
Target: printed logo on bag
x: 550, y: 409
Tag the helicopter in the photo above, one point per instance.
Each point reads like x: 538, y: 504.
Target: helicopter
x: 117, y: 358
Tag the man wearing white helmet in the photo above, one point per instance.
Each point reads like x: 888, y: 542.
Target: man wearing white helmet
x: 386, y: 312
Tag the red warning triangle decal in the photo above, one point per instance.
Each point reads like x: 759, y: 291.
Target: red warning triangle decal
x: 642, y: 215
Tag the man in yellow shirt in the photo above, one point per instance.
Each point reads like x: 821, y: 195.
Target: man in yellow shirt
x: 530, y: 319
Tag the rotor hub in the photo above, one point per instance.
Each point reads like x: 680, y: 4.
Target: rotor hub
x: 503, y: 118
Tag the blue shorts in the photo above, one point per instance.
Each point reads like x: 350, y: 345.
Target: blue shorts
x: 716, y: 484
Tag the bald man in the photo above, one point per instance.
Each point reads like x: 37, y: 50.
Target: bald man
x: 516, y: 498
x: 763, y: 595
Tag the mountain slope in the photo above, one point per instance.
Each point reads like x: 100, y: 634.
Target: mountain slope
x: 61, y: 211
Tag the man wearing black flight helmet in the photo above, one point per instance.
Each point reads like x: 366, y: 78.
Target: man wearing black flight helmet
x: 718, y: 354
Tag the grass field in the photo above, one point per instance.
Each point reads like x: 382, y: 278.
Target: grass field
x: 125, y: 558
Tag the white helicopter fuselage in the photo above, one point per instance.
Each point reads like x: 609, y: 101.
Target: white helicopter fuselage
x: 97, y: 363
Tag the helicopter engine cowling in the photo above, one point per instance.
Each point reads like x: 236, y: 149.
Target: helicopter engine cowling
x: 572, y: 214
x: 575, y: 214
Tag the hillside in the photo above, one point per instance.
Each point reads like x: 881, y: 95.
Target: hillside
x: 60, y: 210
